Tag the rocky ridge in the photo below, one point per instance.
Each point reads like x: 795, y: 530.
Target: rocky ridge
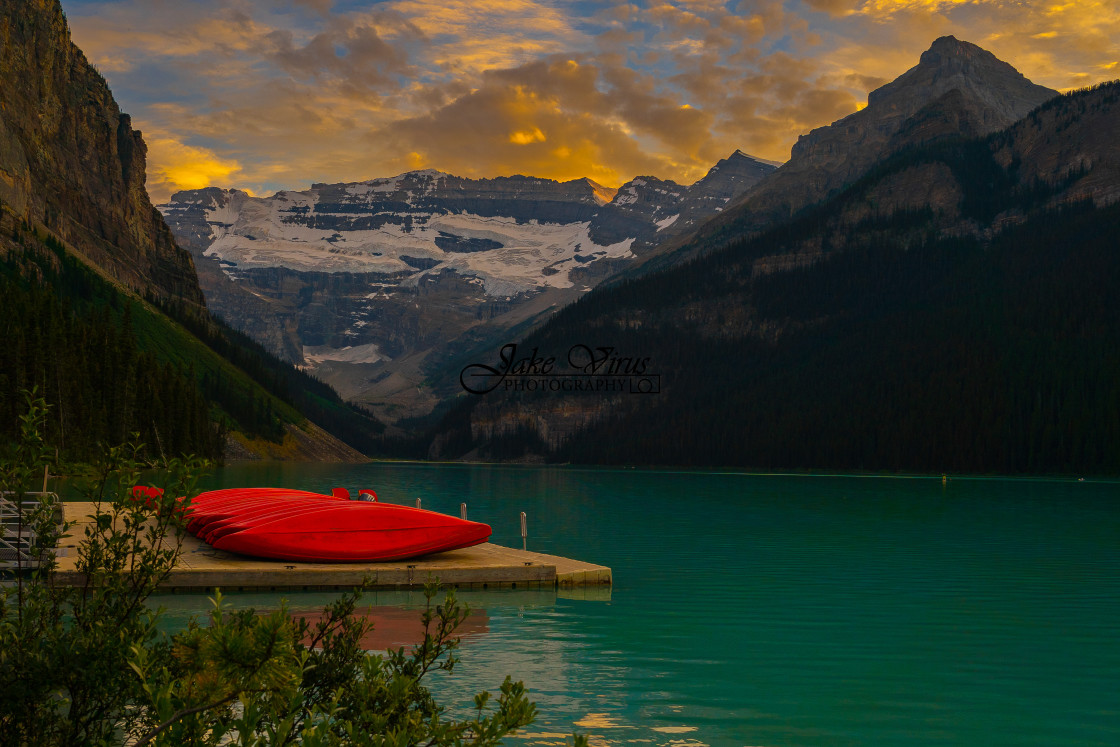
x: 957, y: 89
x: 70, y: 160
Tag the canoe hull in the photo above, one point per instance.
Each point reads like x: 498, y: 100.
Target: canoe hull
x: 324, y: 529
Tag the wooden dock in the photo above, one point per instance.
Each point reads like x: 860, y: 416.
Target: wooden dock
x: 201, y: 568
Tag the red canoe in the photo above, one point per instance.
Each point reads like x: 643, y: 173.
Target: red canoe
x: 202, y: 517
x: 227, y: 494
x: 298, y: 525
x: 356, y: 532
x: 252, y: 517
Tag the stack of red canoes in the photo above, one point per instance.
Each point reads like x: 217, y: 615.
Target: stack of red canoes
x: 297, y: 525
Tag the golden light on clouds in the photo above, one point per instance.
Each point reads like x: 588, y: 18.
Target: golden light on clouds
x: 269, y: 95
x: 886, y: 7
x: 173, y: 166
x: 490, y: 35
x: 524, y: 137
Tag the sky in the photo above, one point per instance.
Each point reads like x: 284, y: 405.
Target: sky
x: 264, y: 95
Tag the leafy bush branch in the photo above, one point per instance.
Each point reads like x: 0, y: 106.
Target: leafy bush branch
x: 88, y: 663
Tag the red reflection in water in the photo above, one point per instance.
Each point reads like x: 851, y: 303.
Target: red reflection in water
x: 394, y: 627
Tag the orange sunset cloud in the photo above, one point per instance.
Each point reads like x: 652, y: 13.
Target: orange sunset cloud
x: 267, y: 96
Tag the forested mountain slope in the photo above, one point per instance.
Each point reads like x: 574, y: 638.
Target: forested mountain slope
x: 950, y: 311
x: 111, y: 364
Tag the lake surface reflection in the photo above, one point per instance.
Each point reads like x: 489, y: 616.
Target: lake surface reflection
x: 773, y: 610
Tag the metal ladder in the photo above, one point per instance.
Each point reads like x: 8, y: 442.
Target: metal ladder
x: 16, y: 541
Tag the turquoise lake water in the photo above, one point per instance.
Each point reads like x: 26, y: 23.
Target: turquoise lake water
x: 768, y: 611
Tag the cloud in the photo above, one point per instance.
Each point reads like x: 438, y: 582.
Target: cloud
x: 353, y: 54
x: 887, y: 7
x: 283, y: 135
x: 1054, y: 43
x: 558, y: 119
x: 173, y: 166
x: 111, y: 30
x: 276, y: 94
x: 473, y: 37
x: 506, y: 128
x: 525, y: 137
x: 836, y: 7
x: 322, y: 7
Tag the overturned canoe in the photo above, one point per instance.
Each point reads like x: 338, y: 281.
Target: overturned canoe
x: 201, y: 517
x: 295, y: 525
x: 251, y: 517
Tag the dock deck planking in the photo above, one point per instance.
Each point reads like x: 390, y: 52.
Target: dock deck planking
x: 203, y: 568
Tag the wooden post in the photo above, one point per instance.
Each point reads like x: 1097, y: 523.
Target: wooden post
x: 524, y: 531
x: 463, y: 510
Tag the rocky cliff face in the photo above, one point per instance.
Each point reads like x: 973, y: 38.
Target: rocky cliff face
x: 364, y: 282
x: 70, y: 160
x: 641, y: 210
x: 727, y: 180
x: 956, y: 89
x: 1071, y: 139
x: 1061, y: 153
x: 72, y: 166
x: 655, y: 211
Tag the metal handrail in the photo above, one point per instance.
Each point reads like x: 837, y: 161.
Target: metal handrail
x: 16, y: 538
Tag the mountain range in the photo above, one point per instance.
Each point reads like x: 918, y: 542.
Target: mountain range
x: 946, y: 307
x: 957, y: 89
x: 925, y: 285
x: 369, y: 284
